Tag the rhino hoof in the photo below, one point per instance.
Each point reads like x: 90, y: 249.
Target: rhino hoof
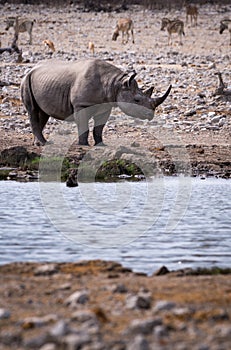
x: 101, y: 144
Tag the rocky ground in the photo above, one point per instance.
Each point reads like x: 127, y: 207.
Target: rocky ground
x: 102, y: 305
x: 194, y: 119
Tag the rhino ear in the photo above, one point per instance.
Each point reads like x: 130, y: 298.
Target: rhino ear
x: 148, y: 92
x: 128, y: 79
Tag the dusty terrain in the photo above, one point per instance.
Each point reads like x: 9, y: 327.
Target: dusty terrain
x: 114, y: 307
x: 193, y: 117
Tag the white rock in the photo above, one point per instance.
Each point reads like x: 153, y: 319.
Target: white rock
x: 139, y: 301
x: 163, y: 305
x: 59, y: 329
x: 143, y: 326
x: 79, y: 297
x: 216, y: 119
x: 4, y: 314
x: 83, y: 316
x: 211, y: 114
x: 75, y: 341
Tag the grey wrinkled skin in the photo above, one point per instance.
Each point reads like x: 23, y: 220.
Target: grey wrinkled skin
x: 65, y: 90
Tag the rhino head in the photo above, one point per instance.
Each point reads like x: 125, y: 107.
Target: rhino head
x: 135, y: 102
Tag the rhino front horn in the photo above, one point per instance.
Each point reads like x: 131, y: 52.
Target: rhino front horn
x: 158, y: 100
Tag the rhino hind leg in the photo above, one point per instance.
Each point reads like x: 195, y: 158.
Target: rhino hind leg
x: 100, y: 121
x: 38, y: 121
x: 97, y: 134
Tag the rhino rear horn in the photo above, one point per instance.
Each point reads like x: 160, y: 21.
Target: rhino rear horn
x: 158, y: 100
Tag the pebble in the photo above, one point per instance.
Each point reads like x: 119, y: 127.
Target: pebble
x: 119, y: 288
x: 79, y: 297
x: 59, y: 329
x: 138, y: 343
x: 146, y: 326
x: 83, y: 316
x: 139, y: 301
x: 163, y: 305
x: 34, y: 321
x: 4, y: 314
x: 160, y: 331
x: 75, y: 341
x: 48, y: 269
x: 48, y: 346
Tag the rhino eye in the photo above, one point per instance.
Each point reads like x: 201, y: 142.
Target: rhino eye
x: 137, y: 99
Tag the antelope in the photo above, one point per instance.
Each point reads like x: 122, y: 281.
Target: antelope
x: 91, y: 47
x: 49, y: 44
x: 192, y: 11
x: 226, y: 24
x: 20, y: 25
x: 173, y: 26
x: 124, y: 25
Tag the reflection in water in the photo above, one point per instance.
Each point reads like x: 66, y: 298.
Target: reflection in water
x: 128, y: 223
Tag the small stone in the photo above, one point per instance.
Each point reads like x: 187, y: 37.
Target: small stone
x: 190, y: 112
x: 164, y: 305
x: 120, y: 288
x: 138, y: 343
x: 181, y: 311
x: 144, y: 326
x: 140, y: 301
x: 160, y: 331
x: 32, y: 322
x: 8, y: 338
x: 135, y: 144
x: 48, y: 346
x: 215, y: 119
x: 36, y: 342
x: 44, y: 270
x: 204, y: 347
x: 211, y: 114
x: 75, y: 341
x: 64, y: 286
x: 4, y: 314
x: 83, y: 316
x: 59, y: 329
x: 221, y: 122
x: 79, y: 297
x: 163, y: 270
x: 212, y: 65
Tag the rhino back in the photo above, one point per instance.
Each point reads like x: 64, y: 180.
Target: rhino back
x: 60, y: 88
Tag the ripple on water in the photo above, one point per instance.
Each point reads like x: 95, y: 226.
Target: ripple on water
x: 200, y: 220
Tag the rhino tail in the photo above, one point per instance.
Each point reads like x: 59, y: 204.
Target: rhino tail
x: 27, y: 95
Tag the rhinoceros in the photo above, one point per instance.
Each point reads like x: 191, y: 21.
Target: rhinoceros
x: 64, y: 90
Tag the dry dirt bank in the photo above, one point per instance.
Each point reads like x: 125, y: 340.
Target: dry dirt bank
x: 102, y: 305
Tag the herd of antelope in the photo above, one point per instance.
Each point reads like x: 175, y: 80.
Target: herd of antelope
x: 124, y: 25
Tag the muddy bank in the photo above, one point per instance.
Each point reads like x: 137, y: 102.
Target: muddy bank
x: 103, y: 305
x: 115, y: 161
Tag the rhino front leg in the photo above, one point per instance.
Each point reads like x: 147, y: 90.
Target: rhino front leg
x: 100, y: 121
